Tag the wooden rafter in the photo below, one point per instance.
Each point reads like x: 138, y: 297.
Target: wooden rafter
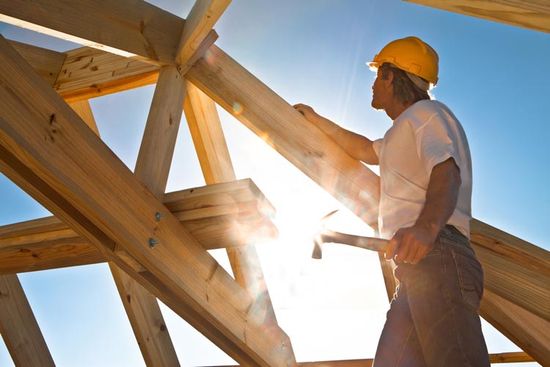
x: 124, y: 27
x: 49, y: 152
x: 211, y: 147
x: 530, y: 14
x: 218, y: 216
x: 19, y: 328
x: 199, y: 23
x: 141, y: 307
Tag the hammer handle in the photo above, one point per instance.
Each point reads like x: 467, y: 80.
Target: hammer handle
x: 369, y: 243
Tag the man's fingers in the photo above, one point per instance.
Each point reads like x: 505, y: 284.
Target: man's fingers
x: 391, y: 248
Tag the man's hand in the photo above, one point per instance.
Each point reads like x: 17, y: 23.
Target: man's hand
x: 308, y: 112
x: 410, y: 245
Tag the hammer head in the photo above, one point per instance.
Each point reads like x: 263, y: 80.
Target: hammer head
x: 317, y: 250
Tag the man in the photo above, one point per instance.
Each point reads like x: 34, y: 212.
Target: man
x: 425, y: 209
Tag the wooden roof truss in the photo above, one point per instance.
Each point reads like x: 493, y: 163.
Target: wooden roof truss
x: 156, y: 242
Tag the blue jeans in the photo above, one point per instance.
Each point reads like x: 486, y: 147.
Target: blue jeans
x: 433, y: 319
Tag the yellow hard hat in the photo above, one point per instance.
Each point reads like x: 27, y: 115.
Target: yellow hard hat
x: 412, y: 55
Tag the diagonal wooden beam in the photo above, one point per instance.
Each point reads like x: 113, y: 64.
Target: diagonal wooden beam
x: 46, y: 63
x: 49, y: 152
x: 530, y: 14
x: 124, y: 27
x: 141, y: 307
x: 201, y: 19
x: 19, y: 328
x: 527, y: 330
x: 211, y: 147
x: 218, y: 216
x: 514, y: 269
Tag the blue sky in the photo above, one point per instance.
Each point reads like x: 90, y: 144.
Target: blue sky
x: 493, y: 76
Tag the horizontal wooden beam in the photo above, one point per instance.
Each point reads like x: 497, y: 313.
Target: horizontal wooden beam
x: 48, y: 151
x: 507, y: 357
x: 88, y: 72
x: 530, y: 14
x: 124, y: 27
x: 218, y: 216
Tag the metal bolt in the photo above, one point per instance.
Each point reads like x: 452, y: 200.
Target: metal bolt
x: 152, y: 242
x: 158, y: 216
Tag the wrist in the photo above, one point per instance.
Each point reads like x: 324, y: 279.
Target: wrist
x: 431, y: 227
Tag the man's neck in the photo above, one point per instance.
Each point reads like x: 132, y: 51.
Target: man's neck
x: 396, y: 109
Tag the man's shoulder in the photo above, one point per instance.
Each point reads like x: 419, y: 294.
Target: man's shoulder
x: 422, y: 112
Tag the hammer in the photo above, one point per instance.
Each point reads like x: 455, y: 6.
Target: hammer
x: 325, y: 236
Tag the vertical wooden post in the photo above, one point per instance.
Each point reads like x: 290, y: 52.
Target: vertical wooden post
x: 19, y: 328
x: 204, y: 124
x: 152, y: 168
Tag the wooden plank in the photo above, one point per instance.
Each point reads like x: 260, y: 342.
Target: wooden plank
x: 49, y: 152
x: 207, y: 134
x: 46, y: 63
x: 141, y: 307
x: 527, y: 330
x: 218, y: 216
x: 530, y: 14
x: 19, y: 328
x: 88, y: 72
x: 123, y: 27
x: 84, y: 111
x: 201, y: 19
x: 508, y: 357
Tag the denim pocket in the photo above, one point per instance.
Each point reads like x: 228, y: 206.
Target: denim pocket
x: 470, y: 279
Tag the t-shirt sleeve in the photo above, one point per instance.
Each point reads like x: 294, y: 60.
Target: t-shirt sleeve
x: 436, y: 142
x: 376, y: 145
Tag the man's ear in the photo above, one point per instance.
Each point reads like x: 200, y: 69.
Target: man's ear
x: 389, y: 78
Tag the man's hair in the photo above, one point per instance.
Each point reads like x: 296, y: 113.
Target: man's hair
x: 403, y: 87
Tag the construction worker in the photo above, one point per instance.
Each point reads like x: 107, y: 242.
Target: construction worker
x: 425, y: 211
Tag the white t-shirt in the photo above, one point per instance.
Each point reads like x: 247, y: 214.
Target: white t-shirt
x: 424, y: 135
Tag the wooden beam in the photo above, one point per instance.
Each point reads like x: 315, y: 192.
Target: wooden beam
x: 84, y: 111
x: 88, y: 72
x: 206, y: 131
x: 141, y: 307
x: 19, y: 328
x: 527, y: 330
x: 201, y: 19
x: 508, y: 357
x: 46, y: 63
x: 123, y: 27
x: 288, y: 132
x: 514, y: 269
x: 530, y: 14
x: 49, y: 152
x: 218, y: 216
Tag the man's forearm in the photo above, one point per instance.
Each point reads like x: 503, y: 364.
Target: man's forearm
x: 357, y: 146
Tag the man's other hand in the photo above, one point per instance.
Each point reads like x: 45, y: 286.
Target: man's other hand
x: 410, y: 245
